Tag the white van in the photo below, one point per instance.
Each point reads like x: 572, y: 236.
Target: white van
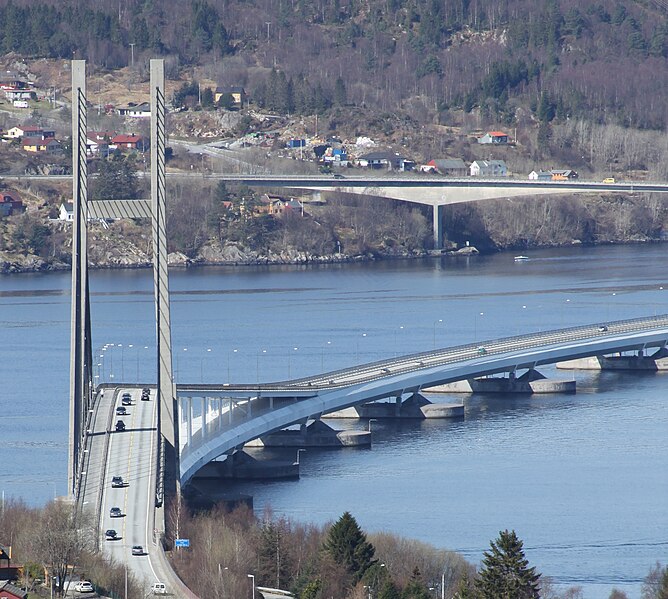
x: 159, y: 588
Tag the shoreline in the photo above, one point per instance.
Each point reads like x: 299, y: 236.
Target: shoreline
x: 32, y: 264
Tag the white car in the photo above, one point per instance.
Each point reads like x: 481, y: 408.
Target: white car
x: 159, y: 588
x: 83, y: 586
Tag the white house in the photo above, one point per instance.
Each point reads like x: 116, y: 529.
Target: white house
x: 66, y: 212
x: 136, y: 111
x: 489, y: 168
x: 540, y: 175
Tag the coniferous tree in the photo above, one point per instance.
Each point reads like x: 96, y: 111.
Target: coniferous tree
x: 506, y: 573
x: 347, y: 545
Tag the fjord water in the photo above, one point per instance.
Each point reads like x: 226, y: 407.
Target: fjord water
x: 581, y: 478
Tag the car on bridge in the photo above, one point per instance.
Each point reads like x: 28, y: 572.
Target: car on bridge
x: 117, y: 482
x: 115, y: 512
x: 137, y: 550
x: 121, y: 411
x: 145, y: 394
x: 126, y: 399
x: 110, y: 535
x: 83, y: 586
x: 120, y: 426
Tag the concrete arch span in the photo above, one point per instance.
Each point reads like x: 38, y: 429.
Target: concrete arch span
x: 271, y: 407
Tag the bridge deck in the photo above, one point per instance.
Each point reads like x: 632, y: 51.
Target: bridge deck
x: 265, y: 408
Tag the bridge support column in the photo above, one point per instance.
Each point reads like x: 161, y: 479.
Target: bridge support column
x: 205, y: 415
x: 81, y: 358
x: 189, y: 419
x: 230, y: 404
x: 220, y: 413
x: 438, y: 227
x: 397, y: 405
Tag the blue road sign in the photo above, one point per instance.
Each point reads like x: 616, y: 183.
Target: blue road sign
x: 182, y: 543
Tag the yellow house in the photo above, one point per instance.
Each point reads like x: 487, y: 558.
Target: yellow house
x: 237, y: 92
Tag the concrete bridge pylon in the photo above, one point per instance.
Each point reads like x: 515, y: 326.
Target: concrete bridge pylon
x: 81, y: 379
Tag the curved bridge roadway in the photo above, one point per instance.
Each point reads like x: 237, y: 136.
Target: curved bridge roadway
x: 236, y: 414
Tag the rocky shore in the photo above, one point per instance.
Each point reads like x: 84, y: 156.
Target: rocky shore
x: 211, y: 255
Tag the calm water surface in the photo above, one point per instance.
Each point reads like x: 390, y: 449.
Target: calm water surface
x: 581, y: 478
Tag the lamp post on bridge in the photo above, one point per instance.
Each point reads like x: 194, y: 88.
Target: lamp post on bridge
x: 122, y: 361
x: 201, y: 366
x: 357, y: 352
x: 294, y: 349
x: 234, y: 351
x: 257, y: 363
x: 440, y: 320
x: 475, y: 325
x: 322, y: 355
x: 401, y: 328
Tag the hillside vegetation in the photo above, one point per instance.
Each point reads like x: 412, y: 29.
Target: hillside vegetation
x: 510, y: 59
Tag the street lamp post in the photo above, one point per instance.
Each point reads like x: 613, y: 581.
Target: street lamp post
x: 257, y: 364
x: 435, y: 323
x: 475, y: 325
x: 322, y: 355
x: 252, y: 577
x: 370, y: 421
x: 298, y: 452
x: 234, y: 351
x: 289, y: 357
x: 201, y: 367
x: 357, y: 352
x: 401, y: 328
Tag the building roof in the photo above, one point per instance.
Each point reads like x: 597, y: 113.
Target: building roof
x: 126, y: 139
x: 9, y: 196
x: 447, y: 163
x: 12, y: 590
x: 489, y: 163
x: 497, y: 134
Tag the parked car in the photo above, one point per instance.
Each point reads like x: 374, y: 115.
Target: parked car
x: 115, y: 512
x: 121, y: 411
x: 110, y: 535
x: 120, y: 425
x: 83, y: 586
x: 609, y: 180
x: 117, y: 481
x: 137, y: 550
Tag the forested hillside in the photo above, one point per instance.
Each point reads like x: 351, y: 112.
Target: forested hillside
x: 507, y: 60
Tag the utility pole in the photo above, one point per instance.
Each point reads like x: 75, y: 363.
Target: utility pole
x: 267, y: 24
x: 132, y: 54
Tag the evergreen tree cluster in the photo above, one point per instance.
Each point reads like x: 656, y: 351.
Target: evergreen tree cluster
x: 279, y: 93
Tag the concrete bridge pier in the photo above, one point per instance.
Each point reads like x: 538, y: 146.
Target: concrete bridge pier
x: 635, y: 361
x: 437, y: 220
x: 531, y: 381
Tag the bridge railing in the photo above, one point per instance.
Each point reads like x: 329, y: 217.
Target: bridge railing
x: 443, y: 356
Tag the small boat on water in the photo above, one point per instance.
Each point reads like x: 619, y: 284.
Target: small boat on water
x: 521, y: 258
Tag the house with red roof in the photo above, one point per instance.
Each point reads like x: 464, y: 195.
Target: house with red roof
x: 39, y: 146
x: 494, y: 137
x: 128, y: 142
x: 10, y: 203
x: 9, y: 591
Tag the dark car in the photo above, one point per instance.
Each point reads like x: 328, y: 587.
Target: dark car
x: 602, y: 328
x: 117, y: 481
x: 145, y: 395
x: 137, y: 550
x: 120, y: 425
x: 110, y: 534
x: 115, y: 512
x: 126, y: 399
x: 121, y: 411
